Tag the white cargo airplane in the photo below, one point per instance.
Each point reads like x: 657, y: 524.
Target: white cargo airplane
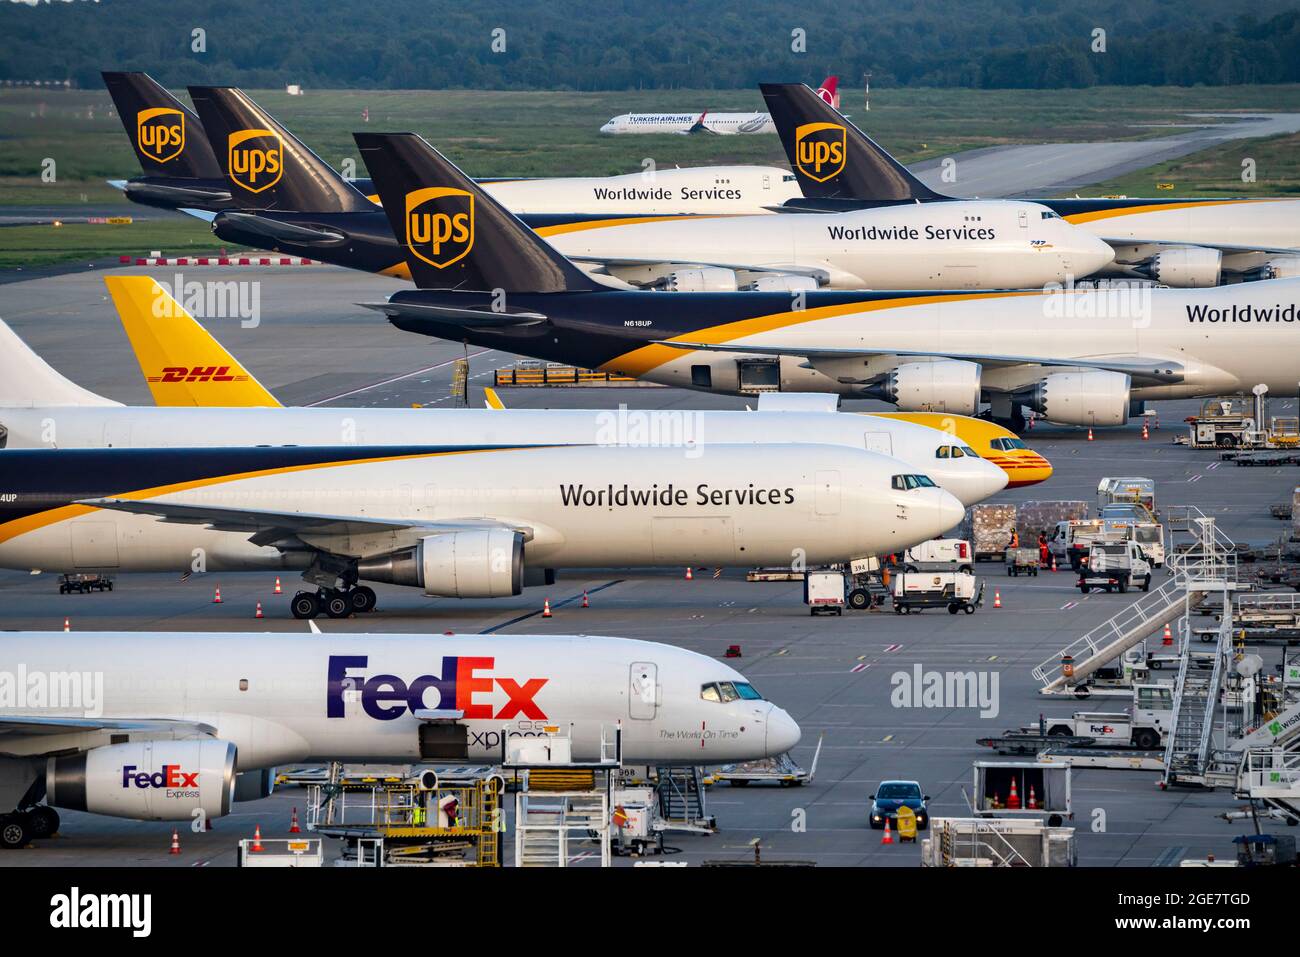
x: 175, y: 727
x: 722, y: 124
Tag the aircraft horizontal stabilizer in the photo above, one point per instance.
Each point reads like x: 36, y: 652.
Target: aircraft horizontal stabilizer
x: 455, y: 315
x: 286, y: 232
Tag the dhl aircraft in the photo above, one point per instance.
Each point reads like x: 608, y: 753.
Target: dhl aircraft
x: 185, y: 366
x: 173, y: 727
x: 257, y: 165
x: 1076, y: 356
x: 296, y: 204
x: 1177, y: 242
x: 722, y: 124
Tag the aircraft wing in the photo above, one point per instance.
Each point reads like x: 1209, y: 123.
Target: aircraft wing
x: 267, y: 527
x: 1147, y: 369
x: 13, y: 725
x: 1228, y: 249
x: 613, y: 262
x: 483, y: 318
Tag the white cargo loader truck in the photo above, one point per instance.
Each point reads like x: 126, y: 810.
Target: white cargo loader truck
x: 1143, y: 726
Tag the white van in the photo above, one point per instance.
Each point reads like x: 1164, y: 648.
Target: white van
x: 940, y: 554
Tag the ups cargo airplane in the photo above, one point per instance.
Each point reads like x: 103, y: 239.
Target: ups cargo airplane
x: 722, y: 124
x: 1177, y: 242
x: 303, y: 207
x: 183, y: 170
x: 1075, y: 356
x: 161, y: 727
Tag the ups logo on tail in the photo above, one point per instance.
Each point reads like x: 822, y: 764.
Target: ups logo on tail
x: 819, y: 150
x: 255, y: 159
x: 160, y: 133
x: 440, y: 225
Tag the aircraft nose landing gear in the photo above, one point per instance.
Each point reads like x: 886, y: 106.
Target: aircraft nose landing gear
x: 334, y: 602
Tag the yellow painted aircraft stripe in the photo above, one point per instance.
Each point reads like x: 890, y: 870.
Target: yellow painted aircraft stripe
x: 1153, y: 208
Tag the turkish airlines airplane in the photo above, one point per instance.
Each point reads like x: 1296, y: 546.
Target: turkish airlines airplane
x: 162, y: 726
x: 722, y: 124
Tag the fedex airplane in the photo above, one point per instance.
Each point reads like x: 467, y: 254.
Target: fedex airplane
x: 174, y: 727
x: 722, y: 124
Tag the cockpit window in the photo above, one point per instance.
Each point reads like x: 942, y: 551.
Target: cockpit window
x: 1048, y: 214
x: 942, y: 452
x: 724, y: 691
x: 970, y: 451
x: 957, y: 452
x: 905, y: 483
x: 1007, y: 445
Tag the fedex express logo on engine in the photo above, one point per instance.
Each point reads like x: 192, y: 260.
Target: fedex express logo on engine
x: 170, y: 778
x: 197, y: 374
x: 464, y: 684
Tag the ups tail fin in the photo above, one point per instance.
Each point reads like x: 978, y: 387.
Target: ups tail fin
x: 269, y: 167
x: 166, y: 135
x: 27, y: 380
x: 454, y: 235
x: 180, y: 360
x: 811, y: 130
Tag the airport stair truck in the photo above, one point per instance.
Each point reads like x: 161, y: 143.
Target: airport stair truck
x: 682, y: 801
x: 1207, y: 568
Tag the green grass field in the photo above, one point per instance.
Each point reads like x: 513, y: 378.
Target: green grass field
x: 492, y: 133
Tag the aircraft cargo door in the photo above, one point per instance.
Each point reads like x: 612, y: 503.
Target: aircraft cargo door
x: 643, y: 690
x: 881, y: 442
x: 828, y: 492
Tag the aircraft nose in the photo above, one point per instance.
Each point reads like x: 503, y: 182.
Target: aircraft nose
x: 977, y: 481
x: 936, y: 511
x: 783, y: 732
x: 1094, y: 254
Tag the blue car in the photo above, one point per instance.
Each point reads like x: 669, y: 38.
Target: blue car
x: 891, y: 795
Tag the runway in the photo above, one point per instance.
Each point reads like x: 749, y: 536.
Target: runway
x: 835, y: 675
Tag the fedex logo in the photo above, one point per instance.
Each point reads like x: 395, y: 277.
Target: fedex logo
x: 170, y: 777
x: 462, y: 685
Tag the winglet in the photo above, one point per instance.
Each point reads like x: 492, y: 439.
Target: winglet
x: 491, y: 399
x: 181, y: 361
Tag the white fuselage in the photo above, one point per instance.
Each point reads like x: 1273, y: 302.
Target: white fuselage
x: 1268, y: 223
x: 712, y: 190
x: 971, y: 480
x: 723, y: 124
x: 580, y: 507
x: 949, y: 245
x: 282, y: 699
x: 1219, y: 350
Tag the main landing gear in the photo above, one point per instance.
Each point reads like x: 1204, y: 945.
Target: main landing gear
x: 20, y: 827
x: 334, y: 602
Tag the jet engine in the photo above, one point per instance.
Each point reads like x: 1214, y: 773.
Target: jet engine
x: 705, y: 279
x: 1278, y: 267
x: 147, y: 781
x: 946, y: 385
x: 470, y: 563
x: 1080, y: 398
x: 1188, y: 267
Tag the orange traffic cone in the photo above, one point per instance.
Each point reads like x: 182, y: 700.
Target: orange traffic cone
x: 257, y: 839
x: 1168, y: 639
x: 277, y: 585
x: 1033, y: 800
x: 176, y: 842
x: 997, y: 598
x: 1053, y: 563
x: 690, y: 575
x: 889, y: 835
x: 1090, y: 433
x: 259, y: 610
x: 293, y: 823
x: 546, y: 608
x: 1146, y: 430
x: 585, y: 602
x: 216, y: 597
x: 67, y: 625
x: 1013, y: 799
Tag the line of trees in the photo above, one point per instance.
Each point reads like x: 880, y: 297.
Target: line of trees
x: 623, y: 44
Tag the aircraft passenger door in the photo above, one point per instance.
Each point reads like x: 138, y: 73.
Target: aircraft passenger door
x: 880, y: 442
x: 643, y: 690
x: 828, y: 492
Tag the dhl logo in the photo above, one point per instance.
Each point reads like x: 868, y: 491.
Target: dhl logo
x: 197, y: 374
x: 255, y: 159
x: 440, y: 224
x: 160, y: 133
x: 819, y: 150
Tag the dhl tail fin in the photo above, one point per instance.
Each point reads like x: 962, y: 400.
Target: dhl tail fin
x: 181, y: 361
